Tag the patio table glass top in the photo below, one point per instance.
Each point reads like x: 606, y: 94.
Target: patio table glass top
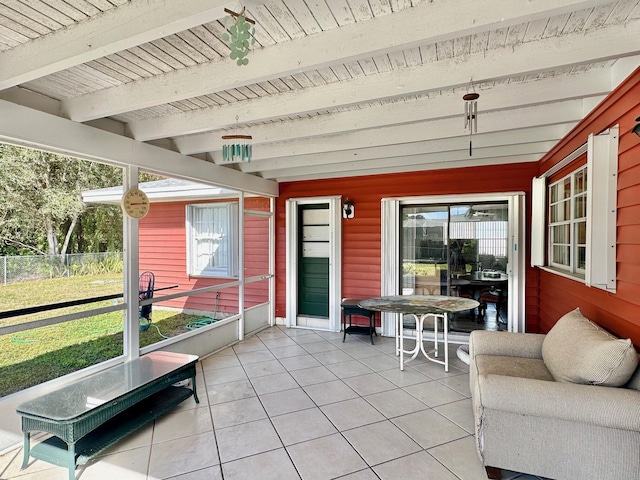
x: 106, y: 386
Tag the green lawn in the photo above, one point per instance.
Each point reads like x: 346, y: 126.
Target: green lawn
x: 428, y: 269
x: 31, y: 357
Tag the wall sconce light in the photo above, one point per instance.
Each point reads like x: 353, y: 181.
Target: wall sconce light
x: 636, y: 129
x: 348, y: 209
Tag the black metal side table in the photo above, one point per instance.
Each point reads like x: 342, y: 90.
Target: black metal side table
x: 350, y: 307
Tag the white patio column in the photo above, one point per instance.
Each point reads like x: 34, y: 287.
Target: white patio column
x: 131, y: 253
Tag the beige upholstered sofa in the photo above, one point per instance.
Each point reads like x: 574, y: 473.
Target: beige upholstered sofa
x: 565, y: 405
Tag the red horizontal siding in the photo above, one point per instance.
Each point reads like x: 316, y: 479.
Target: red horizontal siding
x: 619, y: 312
x: 629, y: 215
x: 362, y: 235
x: 630, y: 273
x: 163, y: 250
x: 257, y: 203
x: 629, y: 177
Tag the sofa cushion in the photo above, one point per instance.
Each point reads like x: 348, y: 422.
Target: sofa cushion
x: 576, y: 350
x: 533, y: 368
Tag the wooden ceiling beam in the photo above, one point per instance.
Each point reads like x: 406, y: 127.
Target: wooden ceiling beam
x: 415, y: 163
x: 538, y: 135
x: 595, y: 82
x: 134, y: 23
x: 544, y: 55
x: 424, y: 24
x: 333, y: 149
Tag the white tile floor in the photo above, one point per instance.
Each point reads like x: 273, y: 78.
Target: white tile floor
x: 290, y: 404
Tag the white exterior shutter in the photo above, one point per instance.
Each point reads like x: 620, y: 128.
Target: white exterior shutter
x: 538, y: 207
x: 602, y: 185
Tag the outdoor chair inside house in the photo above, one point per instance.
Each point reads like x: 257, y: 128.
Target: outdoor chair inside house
x: 145, y: 290
x: 490, y: 295
x: 466, y: 292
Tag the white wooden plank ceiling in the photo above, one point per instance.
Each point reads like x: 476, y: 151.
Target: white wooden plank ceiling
x: 333, y: 87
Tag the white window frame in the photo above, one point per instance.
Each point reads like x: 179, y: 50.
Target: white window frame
x: 602, y: 175
x: 230, y: 237
x: 570, y: 220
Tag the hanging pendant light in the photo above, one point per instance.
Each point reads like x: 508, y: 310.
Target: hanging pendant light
x: 471, y: 113
x: 236, y: 147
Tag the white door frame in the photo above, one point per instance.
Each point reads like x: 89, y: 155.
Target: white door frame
x: 335, y: 258
x: 390, y: 251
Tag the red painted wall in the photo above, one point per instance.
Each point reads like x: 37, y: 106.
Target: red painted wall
x: 362, y: 235
x: 163, y: 250
x: 619, y: 312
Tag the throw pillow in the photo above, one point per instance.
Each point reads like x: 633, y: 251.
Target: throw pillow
x: 577, y: 350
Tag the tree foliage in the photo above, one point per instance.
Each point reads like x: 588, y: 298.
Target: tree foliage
x: 41, y: 209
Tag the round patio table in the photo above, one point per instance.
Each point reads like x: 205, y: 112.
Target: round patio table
x: 419, y: 307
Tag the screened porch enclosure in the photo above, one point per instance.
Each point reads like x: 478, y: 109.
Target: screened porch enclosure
x: 201, y: 298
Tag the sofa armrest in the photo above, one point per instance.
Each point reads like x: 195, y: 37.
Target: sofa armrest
x: 597, y: 405
x: 527, y: 345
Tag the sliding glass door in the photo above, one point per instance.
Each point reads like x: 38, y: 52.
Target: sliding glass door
x: 458, y: 249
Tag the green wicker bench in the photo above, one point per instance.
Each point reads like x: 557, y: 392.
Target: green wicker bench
x: 90, y: 415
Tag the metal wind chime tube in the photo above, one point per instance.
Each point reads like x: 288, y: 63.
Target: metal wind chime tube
x: 471, y: 116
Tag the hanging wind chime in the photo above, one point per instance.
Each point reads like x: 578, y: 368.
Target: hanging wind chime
x: 471, y: 114
x: 240, y: 33
x: 236, y: 147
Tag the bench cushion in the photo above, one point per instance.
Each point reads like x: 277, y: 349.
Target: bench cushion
x: 576, y: 350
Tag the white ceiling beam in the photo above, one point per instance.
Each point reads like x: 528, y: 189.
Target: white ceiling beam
x: 30, y: 99
x: 415, y: 167
x: 547, y: 134
x: 411, y: 160
x: 42, y: 103
x: 525, y: 59
x: 595, y: 82
x: 622, y: 68
x: 118, y: 29
x: 30, y: 128
x: 504, y: 120
x: 424, y: 24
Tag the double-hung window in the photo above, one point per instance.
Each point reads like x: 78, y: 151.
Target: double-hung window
x: 568, y: 222
x: 212, y: 233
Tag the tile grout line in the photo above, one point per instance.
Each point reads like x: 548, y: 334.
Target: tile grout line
x: 317, y: 406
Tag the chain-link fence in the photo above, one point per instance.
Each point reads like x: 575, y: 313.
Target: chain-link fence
x: 36, y: 267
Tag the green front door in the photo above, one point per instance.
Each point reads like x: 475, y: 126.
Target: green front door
x: 313, y: 260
